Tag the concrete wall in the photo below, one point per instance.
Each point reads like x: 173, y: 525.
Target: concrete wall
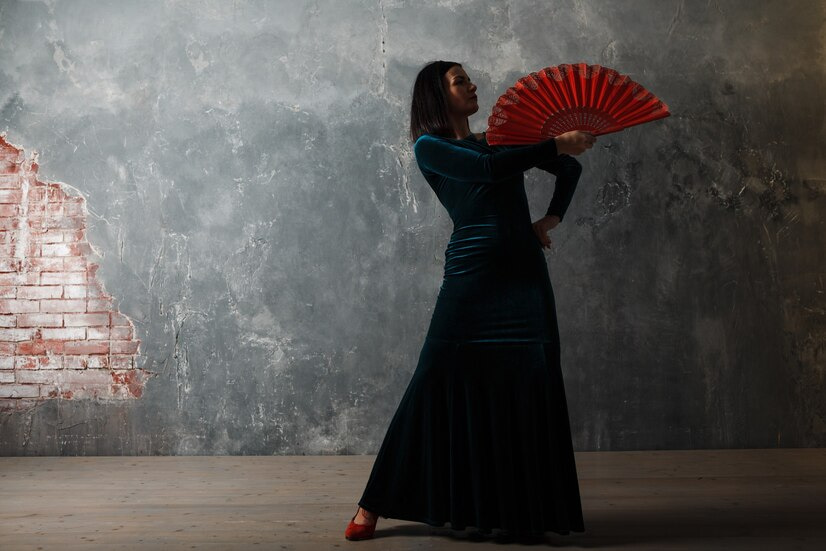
x: 254, y: 209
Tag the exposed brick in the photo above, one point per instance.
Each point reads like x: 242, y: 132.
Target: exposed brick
x: 121, y: 361
x: 86, y: 347
x: 45, y: 264
x: 38, y: 362
x: 123, y: 332
x: 60, y: 334
x: 39, y: 291
x: 56, y: 222
x: 62, y: 278
x: 18, y: 391
x: 75, y: 291
x: 11, y: 196
x: 30, y: 348
x: 74, y: 320
x: 62, y: 305
x: 85, y: 361
x: 48, y: 236
x: 40, y: 320
x: 124, y: 347
x: 20, y: 279
x: 75, y: 264
x: 99, y: 304
x: 64, y: 333
x: 14, y: 306
x: 98, y: 333
x: 9, y: 265
x: 16, y: 335
x: 60, y: 249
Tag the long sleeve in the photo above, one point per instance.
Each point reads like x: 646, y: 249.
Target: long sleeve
x: 464, y: 164
x: 567, y: 171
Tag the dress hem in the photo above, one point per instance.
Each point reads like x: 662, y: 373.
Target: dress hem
x: 441, y: 524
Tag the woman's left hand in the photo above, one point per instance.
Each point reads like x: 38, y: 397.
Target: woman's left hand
x: 542, y: 226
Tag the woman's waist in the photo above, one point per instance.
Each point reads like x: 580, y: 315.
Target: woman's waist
x: 487, y: 228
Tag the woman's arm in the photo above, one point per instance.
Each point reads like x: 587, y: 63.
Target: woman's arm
x: 460, y: 163
x: 567, y: 171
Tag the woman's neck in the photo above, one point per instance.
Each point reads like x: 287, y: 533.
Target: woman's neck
x: 460, y: 128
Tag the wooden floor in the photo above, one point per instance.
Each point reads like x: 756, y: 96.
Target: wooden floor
x: 709, y: 499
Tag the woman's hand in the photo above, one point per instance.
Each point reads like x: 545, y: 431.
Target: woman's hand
x: 574, y: 142
x: 542, y: 226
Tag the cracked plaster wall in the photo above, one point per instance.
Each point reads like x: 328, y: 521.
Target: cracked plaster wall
x: 261, y: 219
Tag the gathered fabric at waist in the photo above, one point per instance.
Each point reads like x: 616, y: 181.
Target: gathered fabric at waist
x: 477, y: 245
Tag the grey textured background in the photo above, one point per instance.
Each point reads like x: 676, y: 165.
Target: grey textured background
x: 260, y: 216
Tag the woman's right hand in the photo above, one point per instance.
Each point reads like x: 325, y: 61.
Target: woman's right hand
x: 574, y: 142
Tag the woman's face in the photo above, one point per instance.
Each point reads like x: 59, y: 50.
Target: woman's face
x: 460, y: 91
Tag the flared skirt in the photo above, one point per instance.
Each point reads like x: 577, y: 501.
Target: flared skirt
x: 480, y: 438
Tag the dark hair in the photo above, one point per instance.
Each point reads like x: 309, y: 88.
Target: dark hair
x: 429, y: 108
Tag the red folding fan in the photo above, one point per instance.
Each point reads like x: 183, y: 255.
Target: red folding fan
x: 566, y: 97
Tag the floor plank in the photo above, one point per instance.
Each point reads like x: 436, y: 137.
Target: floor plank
x: 658, y: 500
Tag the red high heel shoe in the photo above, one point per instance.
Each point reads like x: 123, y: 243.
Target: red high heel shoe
x: 360, y: 531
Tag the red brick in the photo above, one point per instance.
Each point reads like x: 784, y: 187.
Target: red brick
x: 9, y: 265
x: 63, y: 278
x: 8, y: 209
x: 122, y: 332
x: 13, y: 306
x: 76, y: 320
x: 9, y: 223
x: 75, y: 291
x: 124, y: 347
x: 10, y: 320
x: 30, y: 348
x: 10, y: 181
x: 61, y: 222
x: 86, y: 347
x: 48, y: 236
x: 81, y: 361
x: 39, y: 291
x: 38, y: 362
x: 97, y: 333
x: 75, y: 264
x: 62, y: 305
x: 99, y: 304
x: 64, y: 333
x: 7, y: 292
x: 16, y: 335
x: 41, y: 264
x: 18, y: 391
x: 122, y: 361
x: 60, y: 249
x: 40, y: 320
x: 19, y: 279
x: 11, y: 195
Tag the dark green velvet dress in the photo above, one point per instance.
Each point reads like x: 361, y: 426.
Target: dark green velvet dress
x: 481, y: 437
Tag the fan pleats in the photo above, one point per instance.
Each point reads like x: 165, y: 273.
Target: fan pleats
x: 565, y: 97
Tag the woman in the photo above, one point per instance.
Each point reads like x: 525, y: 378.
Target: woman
x: 481, y: 436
